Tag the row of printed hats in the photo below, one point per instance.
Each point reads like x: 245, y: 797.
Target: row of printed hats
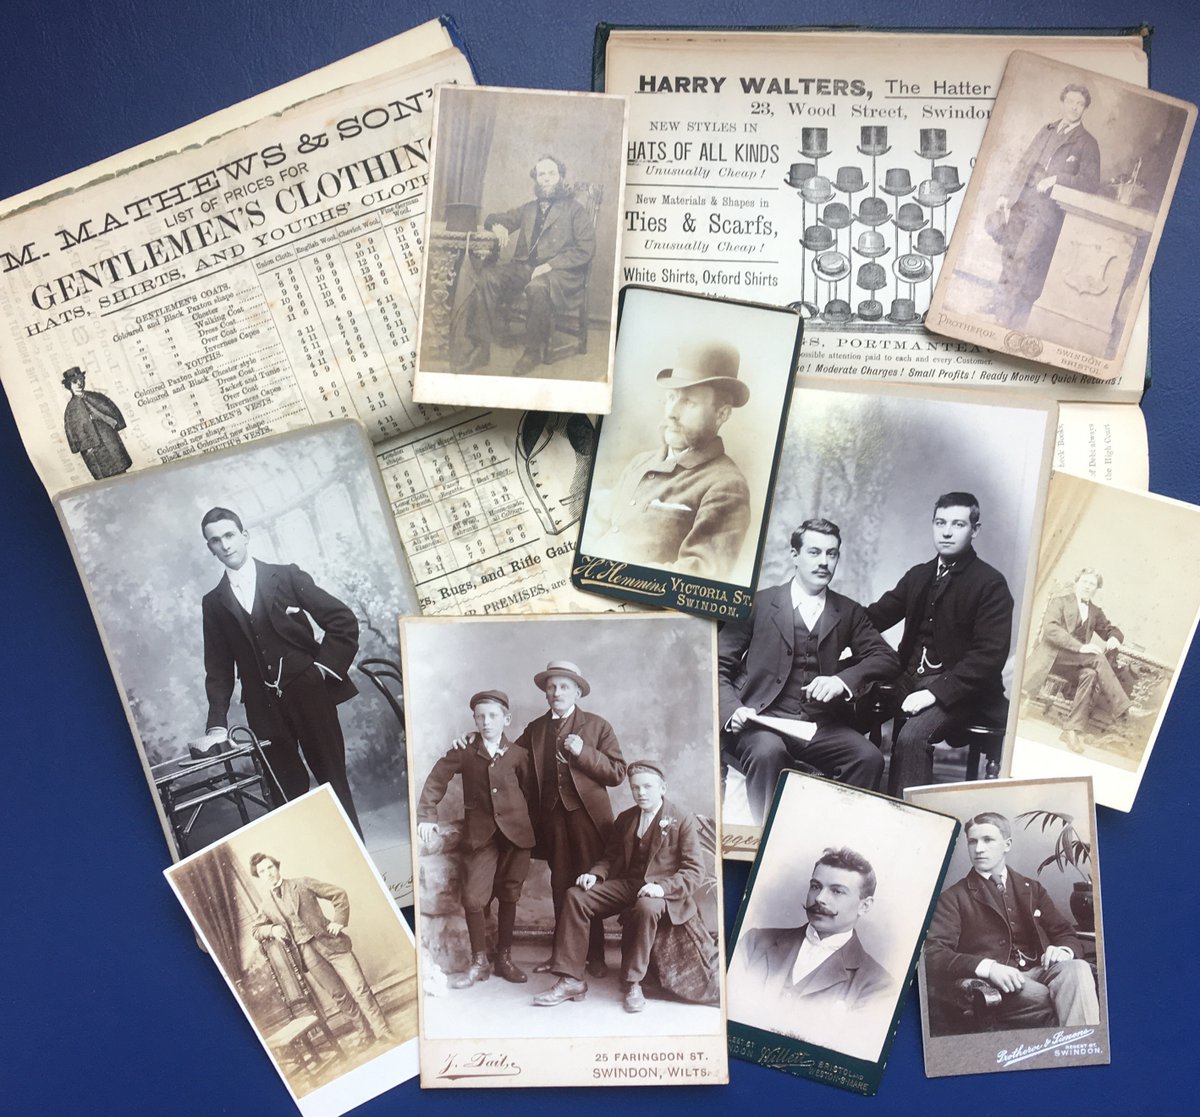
x: 814, y: 142
x: 873, y: 212
x: 903, y: 311
x: 833, y: 267
x: 897, y: 181
x: 871, y: 243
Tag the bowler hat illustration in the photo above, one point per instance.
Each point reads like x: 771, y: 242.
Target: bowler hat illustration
x: 806, y: 309
x: 816, y: 189
x: 931, y: 242
x: 817, y: 238
x: 912, y: 268
x: 872, y: 244
x: 932, y: 194
x: 911, y: 217
x: 933, y: 143
x: 873, y: 211
x: 947, y: 177
x: 873, y: 140
x: 903, y: 312
x: 814, y: 142
x: 835, y: 215
x: 849, y: 180
x: 836, y: 310
x: 706, y: 362
x: 799, y: 174
x: 870, y: 310
x: 871, y: 277
x: 897, y: 182
x: 831, y: 266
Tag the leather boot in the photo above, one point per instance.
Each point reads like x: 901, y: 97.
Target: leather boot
x: 505, y: 967
x: 480, y: 969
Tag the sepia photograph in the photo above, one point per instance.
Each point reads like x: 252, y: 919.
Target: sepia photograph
x: 563, y: 767
x: 882, y: 650
x: 1106, y: 647
x: 829, y: 930
x: 1063, y: 215
x: 1012, y: 974
x: 518, y: 279
x: 247, y: 601
x: 685, y: 464
x: 310, y: 942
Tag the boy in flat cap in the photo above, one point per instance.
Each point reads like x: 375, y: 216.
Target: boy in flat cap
x: 497, y: 788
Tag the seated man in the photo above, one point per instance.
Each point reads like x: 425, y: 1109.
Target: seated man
x: 800, y: 655
x: 652, y: 864
x: 1004, y: 928
x: 1068, y: 647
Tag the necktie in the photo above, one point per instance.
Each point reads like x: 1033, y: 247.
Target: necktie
x: 998, y: 881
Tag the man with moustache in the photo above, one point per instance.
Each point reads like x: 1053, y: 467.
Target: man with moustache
x: 1002, y: 927
x: 802, y: 654
x: 685, y: 505
x: 957, y: 613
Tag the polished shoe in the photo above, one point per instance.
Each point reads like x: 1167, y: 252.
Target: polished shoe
x: 564, y: 989
x: 1134, y: 713
x: 597, y: 968
x: 480, y: 969
x: 505, y: 967
x: 480, y: 356
x: 1071, y: 738
x: 546, y: 966
x: 526, y: 362
x: 635, y: 1000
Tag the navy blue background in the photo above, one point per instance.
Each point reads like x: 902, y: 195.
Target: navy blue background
x: 106, y: 1005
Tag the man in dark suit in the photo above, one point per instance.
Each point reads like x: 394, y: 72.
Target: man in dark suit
x: 651, y: 866
x: 290, y: 912
x: 1063, y: 153
x: 256, y: 621
x: 801, y: 655
x: 555, y: 244
x: 1068, y: 647
x: 91, y: 422
x: 957, y: 614
x: 1002, y: 927
x: 806, y: 977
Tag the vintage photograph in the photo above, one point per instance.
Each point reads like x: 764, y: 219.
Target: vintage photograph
x: 306, y: 934
x: 261, y: 657
x: 1106, y: 648
x: 519, y: 275
x: 1052, y: 252
x: 827, y: 937
x: 1012, y: 974
x: 686, y: 461
x: 882, y: 650
x: 563, y: 767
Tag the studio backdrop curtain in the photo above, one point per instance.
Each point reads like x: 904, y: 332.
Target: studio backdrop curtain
x: 466, y: 133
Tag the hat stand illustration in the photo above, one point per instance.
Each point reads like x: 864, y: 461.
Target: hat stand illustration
x: 873, y: 142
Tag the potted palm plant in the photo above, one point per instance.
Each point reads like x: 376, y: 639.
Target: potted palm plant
x: 1069, y: 850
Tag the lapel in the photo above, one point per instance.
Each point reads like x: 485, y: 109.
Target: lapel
x: 657, y: 832
x: 781, y: 614
x: 226, y: 597
x: 986, y: 895
x: 783, y: 952
x: 552, y: 215
x: 830, y: 615
x: 629, y: 837
x: 540, y: 726
x: 837, y: 969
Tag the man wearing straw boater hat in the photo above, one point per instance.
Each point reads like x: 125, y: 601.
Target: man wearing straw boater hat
x: 685, y: 505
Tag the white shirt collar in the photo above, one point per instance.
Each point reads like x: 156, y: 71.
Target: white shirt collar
x: 1002, y: 871
x: 563, y: 717
x: 1065, y: 129
x: 802, y: 600
x: 497, y: 750
x: 829, y: 943
x: 243, y: 582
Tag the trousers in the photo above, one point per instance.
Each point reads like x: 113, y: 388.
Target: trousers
x: 583, y: 909
x: 1063, y: 993
x: 342, y: 978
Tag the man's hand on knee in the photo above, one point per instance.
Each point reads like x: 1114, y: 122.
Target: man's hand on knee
x: 651, y: 891
x: 1006, y: 978
x: 540, y: 270
x: 586, y: 881
x: 917, y: 701
x: 1054, y: 954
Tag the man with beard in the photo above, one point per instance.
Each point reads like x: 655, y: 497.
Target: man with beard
x: 555, y: 244
x: 684, y: 505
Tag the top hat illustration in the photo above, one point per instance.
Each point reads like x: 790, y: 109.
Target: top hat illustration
x: 836, y: 310
x: 910, y: 216
x: 814, y: 142
x: 897, y: 182
x: 870, y: 310
x: 871, y: 277
x: 947, y: 177
x: 874, y: 140
x: 912, y: 268
x: 831, y: 266
x: 849, y: 180
x: 817, y: 238
x: 933, y: 143
x: 816, y: 189
x: 835, y: 215
x: 872, y: 244
x: 873, y: 211
x: 932, y: 194
x: 799, y: 173
x: 706, y: 362
x: 931, y: 242
x: 903, y: 312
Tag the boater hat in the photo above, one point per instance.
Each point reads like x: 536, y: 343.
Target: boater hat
x: 799, y: 173
x: 491, y: 696
x: 903, y: 312
x: 933, y: 143
x: 849, y: 180
x: 816, y: 189
x: 874, y: 140
x: 897, y: 182
x: 947, y: 177
x: 837, y: 310
x: 814, y: 142
x: 931, y: 242
x: 817, y: 238
x: 912, y: 268
x: 870, y: 310
x: 872, y: 244
x: 910, y: 217
x: 706, y: 362
x: 873, y: 211
x: 567, y: 670
x: 835, y: 215
x: 831, y: 266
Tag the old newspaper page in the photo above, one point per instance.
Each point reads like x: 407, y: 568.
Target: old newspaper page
x: 825, y: 170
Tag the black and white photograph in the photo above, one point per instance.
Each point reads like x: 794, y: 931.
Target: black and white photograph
x: 519, y: 277
x: 884, y: 644
x: 829, y: 930
x: 304, y: 931
x: 1063, y: 215
x: 248, y: 601
x: 563, y: 767
x: 1012, y: 974
x: 686, y: 461
x: 1108, y: 639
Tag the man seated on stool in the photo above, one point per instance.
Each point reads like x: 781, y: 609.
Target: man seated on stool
x: 652, y: 864
x: 1000, y: 926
